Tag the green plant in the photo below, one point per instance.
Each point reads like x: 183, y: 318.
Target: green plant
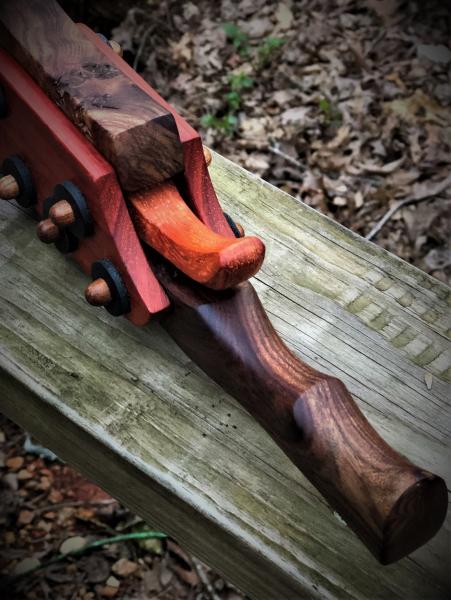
x: 266, y: 52
x: 331, y: 112
x: 226, y: 123
x: 239, y: 39
x: 237, y: 83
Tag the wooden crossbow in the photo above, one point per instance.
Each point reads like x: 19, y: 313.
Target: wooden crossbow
x: 120, y: 182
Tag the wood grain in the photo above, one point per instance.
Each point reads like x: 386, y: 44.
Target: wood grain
x: 392, y: 505
x: 199, y: 192
x: 128, y: 408
x: 55, y: 151
x: 165, y: 222
x: 133, y: 132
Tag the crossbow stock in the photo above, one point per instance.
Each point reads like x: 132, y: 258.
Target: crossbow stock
x: 120, y: 182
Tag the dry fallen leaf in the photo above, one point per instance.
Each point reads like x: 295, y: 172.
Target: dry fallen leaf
x: 284, y: 16
x: 25, y: 565
x: 25, y: 517
x: 15, y: 463
x: 124, y: 567
x: 73, y: 544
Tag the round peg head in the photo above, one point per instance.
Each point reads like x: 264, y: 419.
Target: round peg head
x: 117, y: 48
x: 207, y: 155
x: 62, y: 213
x: 47, y: 231
x: 237, y: 228
x: 9, y: 188
x: 240, y: 229
x: 98, y: 293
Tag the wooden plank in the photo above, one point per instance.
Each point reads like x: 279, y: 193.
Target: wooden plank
x: 126, y: 406
x: 133, y: 131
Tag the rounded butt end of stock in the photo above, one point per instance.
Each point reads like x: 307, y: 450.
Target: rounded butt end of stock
x: 415, y: 518
x: 392, y: 505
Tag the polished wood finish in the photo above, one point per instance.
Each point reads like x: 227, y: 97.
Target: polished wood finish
x: 9, y: 188
x: 391, y: 504
x: 165, y: 222
x: 98, y: 293
x: 62, y: 213
x: 55, y: 151
x: 199, y: 192
x: 47, y: 231
x: 134, y: 132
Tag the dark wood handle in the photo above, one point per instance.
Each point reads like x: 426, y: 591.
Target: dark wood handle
x: 392, y: 505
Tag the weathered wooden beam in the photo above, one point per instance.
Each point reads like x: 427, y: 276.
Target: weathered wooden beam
x: 126, y: 406
x: 134, y: 132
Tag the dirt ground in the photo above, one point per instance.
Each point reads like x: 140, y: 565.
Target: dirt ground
x: 343, y: 104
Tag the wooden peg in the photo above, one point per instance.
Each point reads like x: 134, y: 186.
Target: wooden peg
x: 48, y: 232
x: 207, y: 155
x: 117, y: 48
x: 98, y: 293
x: 9, y: 188
x: 62, y: 213
x: 240, y: 229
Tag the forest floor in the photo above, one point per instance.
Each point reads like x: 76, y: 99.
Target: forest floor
x: 345, y: 105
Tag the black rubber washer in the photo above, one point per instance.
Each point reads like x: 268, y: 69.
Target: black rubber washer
x: 15, y: 166
x: 102, y: 37
x: 83, y: 225
x: 232, y: 225
x: 67, y: 242
x: 120, y: 303
x: 3, y: 104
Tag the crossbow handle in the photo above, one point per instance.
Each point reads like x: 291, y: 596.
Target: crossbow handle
x: 391, y: 504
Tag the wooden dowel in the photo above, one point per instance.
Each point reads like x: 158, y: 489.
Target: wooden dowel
x: 47, y: 231
x: 207, y: 155
x: 62, y: 213
x: 117, y: 48
x: 9, y: 188
x: 98, y: 293
x: 240, y: 229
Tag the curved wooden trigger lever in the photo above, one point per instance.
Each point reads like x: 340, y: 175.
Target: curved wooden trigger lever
x: 165, y: 222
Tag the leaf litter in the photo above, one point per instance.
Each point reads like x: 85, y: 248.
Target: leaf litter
x: 355, y: 96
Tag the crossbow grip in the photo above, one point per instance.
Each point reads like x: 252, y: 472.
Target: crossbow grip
x: 391, y: 504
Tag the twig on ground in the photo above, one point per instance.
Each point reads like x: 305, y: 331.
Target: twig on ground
x: 204, y: 578
x: 142, y: 45
x: 426, y: 194
x: 276, y: 150
x: 75, y: 503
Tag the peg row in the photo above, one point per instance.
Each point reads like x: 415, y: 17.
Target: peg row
x: 66, y: 220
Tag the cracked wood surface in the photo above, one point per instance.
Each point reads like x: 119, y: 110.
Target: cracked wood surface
x: 126, y: 407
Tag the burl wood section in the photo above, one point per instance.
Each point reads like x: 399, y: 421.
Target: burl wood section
x: 199, y: 192
x: 59, y: 153
x: 164, y: 222
x: 391, y: 504
x: 135, y: 133
x: 127, y: 407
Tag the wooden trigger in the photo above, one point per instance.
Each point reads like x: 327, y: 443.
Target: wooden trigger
x: 164, y: 221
